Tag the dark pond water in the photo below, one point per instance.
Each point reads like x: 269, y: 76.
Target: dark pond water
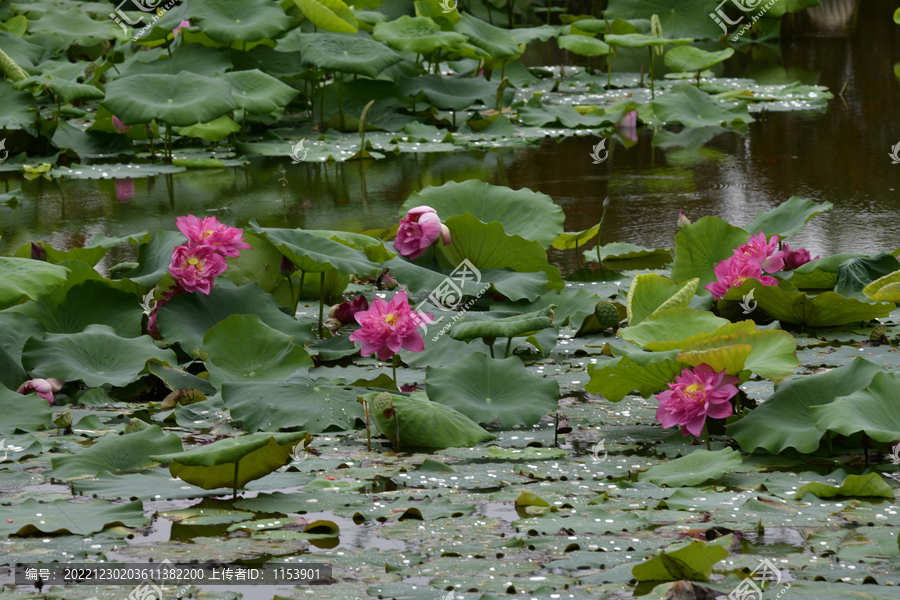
x: 840, y: 156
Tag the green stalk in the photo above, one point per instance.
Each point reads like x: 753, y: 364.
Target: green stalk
x: 508, y: 346
x: 341, y: 99
x: 321, y: 303
x: 293, y: 304
x: 577, y: 257
x: 706, y: 435
x: 397, y: 429
x: 368, y: 429
x: 394, y: 360
x: 600, y: 231
x: 652, y: 89
x: 235, y: 486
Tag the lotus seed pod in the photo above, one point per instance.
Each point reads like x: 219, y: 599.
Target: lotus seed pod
x: 383, y: 401
x: 607, y: 314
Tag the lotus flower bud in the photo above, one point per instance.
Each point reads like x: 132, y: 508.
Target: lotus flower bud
x: 344, y: 312
x: 386, y: 281
x: 43, y: 387
x: 490, y: 341
x: 286, y: 267
x: 119, y: 126
x: 38, y: 253
x: 606, y: 202
x: 683, y: 221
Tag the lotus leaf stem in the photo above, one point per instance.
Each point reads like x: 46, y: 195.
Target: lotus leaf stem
x: 341, y: 99
x: 235, y: 485
x: 397, y: 430
x: 368, y: 429
x: 321, y: 302
x: 394, y: 360
x: 508, y: 346
x: 706, y: 435
x: 577, y: 257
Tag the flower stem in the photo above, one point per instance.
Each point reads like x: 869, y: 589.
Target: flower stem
x: 235, y: 486
x: 368, y: 429
x: 706, y: 435
x: 293, y: 304
x: 577, y: 257
x: 394, y: 361
x: 599, y: 233
x: 321, y: 303
x: 508, y: 346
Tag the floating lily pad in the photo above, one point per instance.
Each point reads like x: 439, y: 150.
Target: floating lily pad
x: 693, y: 469
x: 117, y: 454
x: 62, y: 516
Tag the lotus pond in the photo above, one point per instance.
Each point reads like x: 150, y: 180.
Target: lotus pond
x: 402, y: 289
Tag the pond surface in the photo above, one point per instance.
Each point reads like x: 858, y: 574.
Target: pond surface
x: 840, y: 156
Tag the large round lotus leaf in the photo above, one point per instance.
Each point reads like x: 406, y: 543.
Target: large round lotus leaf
x: 96, y: 356
x: 214, y: 131
x: 427, y: 424
x: 786, y: 219
x: 693, y: 469
x: 874, y: 410
x: 650, y: 293
x: 313, y: 253
x: 330, y: 15
x: 11, y: 372
x: 493, y: 40
x: 154, y: 258
x: 692, y: 561
x: 452, y: 94
x: 769, y: 353
x: 374, y: 248
x: 672, y: 325
x: 23, y: 413
x: 187, y: 317
x: 700, y: 246
x: 885, y: 289
x: 63, y: 516
x: 677, y: 17
x: 488, y: 246
x: 622, y: 255
x: 255, y: 455
x: 691, y: 58
x: 639, y: 40
x: 117, y: 454
x: 784, y: 420
x: 258, y: 93
x: 573, y: 239
x: 516, y: 326
x: 692, y: 108
x: 344, y: 53
x: 193, y: 58
x: 531, y: 215
x: 855, y: 486
x: 856, y: 274
x: 416, y: 34
x: 646, y: 372
x: 177, y: 100
x: 486, y: 389
x: 62, y: 28
x: 270, y: 357
x: 226, y: 21
x: 23, y: 278
x: 823, y: 310
x: 300, y: 403
x: 583, y: 45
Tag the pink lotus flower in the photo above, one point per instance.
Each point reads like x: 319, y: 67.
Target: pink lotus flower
x: 388, y: 327
x: 420, y: 228
x: 43, y: 387
x: 697, y: 394
x: 765, y: 254
x: 627, y: 126
x: 795, y: 258
x: 345, y: 312
x: 732, y: 272
x: 683, y: 221
x: 225, y: 240
x: 195, y: 268
x: 177, y: 30
x: 119, y: 126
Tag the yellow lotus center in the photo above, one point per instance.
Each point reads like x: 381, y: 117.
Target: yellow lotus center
x: 391, y: 319
x: 193, y: 261
x: 207, y: 233
x: 694, y: 391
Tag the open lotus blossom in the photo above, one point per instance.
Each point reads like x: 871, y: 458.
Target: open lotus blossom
x: 194, y: 269
x: 389, y: 326
x: 119, y: 126
x: 795, y: 258
x: 765, y: 254
x: 697, y: 393
x: 420, y: 228
x: 225, y: 240
x: 177, y: 30
x: 43, y: 387
x: 732, y: 272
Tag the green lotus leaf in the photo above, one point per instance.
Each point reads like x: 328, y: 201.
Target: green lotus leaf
x: 646, y: 372
x: 416, y: 34
x: 375, y: 249
x: 857, y: 273
x: 301, y: 403
x: 873, y: 410
x: 23, y: 279
x: 23, y: 413
x: 695, y: 468
x: 622, y: 255
x: 677, y: 17
x: 271, y: 357
x: 193, y: 58
x: 827, y: 309
x: 486, y: 389
x: 154, y: 258
x: 786, y: 219
x: 177, y: 100
x: 650, y: 293
x: 640, y: 40
x: 62, y: 28
x: 11, y: 372
x: 885, y: 289
x: 820, y: 274
x: 188, y: 317
x: 427, y: 424
x: 689, y: 106
x: 493, y: 40
x: 589, y: 521
x: 855, y: 486
x: 769, y: 353
x: 454, y: 93
x: 117, y: 454
x: 691, y: 561
x: 508, y: 327
x: 330, y: 15
x: 88, y: 255
x: 176, y: 379
x: 258, y: 93
x: 233, y: 462
x: 568, y: 308
x: 700, y: 246
x: 347, y: 54
x: 314, y: 254
x: 214, y: 131
x: 488, y: 246
x: 96, y: 356
x: 669, y: 326
x: 531, y: 215
x: 535, y: 113
x: 573, y: 239
x: 784, y: 420
x: 67, y: 90
x: 582, y: 45
x: 62, y: 516
x: 227, y: 22
x: 691, y: 58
